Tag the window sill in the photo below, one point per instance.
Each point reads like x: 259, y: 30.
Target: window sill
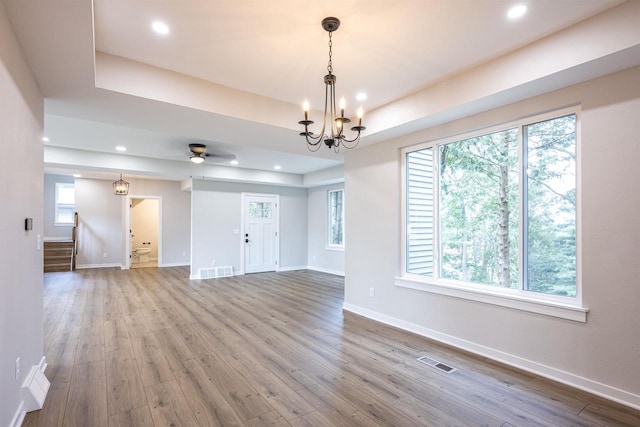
x: 547, y: 308
x: 334, y: 248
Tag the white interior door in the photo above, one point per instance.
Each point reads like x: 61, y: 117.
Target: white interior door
x: 260, y: 233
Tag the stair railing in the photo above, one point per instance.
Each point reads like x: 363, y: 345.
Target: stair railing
x: 74, y: 240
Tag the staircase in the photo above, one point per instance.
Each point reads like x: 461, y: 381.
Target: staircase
x: 61, y: 255
x: 58, y: 256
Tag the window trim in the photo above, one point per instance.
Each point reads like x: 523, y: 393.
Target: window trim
x: 329, y: 245
x: 570, y: 308
x: 57, y: 205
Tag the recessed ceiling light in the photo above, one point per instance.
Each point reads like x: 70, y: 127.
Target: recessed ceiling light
x: 234, y: 162
x: 277, y: 167
x: 517, y: 11
x: 160, y: 28
x: 45, y: 139
x: 121, y: 148
x: 361, y: 96
x: 77, y: 175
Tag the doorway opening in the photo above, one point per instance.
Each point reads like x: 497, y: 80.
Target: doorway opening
x: 144, y: 242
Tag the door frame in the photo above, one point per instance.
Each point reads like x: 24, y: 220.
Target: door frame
x: 127, y: 229
x: 243, y: 197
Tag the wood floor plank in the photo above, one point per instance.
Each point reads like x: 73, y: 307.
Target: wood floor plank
x: 87, y: 400
x: 335, y: 406
x: 285, y: 400
x: 610, y: 415
x: 173, y: 348
x: 151, y: 347
x: 139, y: 417
x: 124, y: 383
x: 152, y: 365
x: 116, y: 335
x: 242, y: 396
x: 268, y: 419
x: 169, y: 405
x: 207, y: 402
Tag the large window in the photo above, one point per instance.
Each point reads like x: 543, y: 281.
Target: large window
x: 496, y: 210
x: 336, y: 218
x: 65, y: 203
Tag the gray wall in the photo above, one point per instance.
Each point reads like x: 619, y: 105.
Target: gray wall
x: 603, y: 354
x: 102, y: 215
x: 51, y: 231
x: 321, y: 258
x: 21, y: 166
x: 216, y: 213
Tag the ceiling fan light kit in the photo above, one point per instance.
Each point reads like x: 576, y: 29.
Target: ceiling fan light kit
x: 332, y: 132
x: 198, y: 154
x: 196, y: 158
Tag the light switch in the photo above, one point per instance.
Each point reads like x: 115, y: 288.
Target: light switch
x: 38, y: 242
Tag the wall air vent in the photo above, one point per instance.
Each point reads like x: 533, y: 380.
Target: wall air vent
x: 216, y: 272
x: 438, y: 365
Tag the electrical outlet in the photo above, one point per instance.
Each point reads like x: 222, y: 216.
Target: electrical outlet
x: 104, y: 255
x: 372, y: 292
x: 184, y: 253
x: 17, y: 368
x: 213, y: 262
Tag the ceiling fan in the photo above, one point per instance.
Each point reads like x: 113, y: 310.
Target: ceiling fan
x: 197, y: 154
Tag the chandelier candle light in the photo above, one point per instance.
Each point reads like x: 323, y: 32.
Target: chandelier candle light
x: 332, y: 132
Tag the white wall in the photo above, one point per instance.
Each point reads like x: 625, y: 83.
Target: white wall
x: 99, y: 224
x: 51, y: 231
x: 21, y: 168
x: 102, y: 215
x: 217, y: 212
x: 319, y: 257
x: 602, y: 355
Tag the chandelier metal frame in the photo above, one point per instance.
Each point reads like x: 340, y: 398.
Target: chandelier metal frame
x: 333, y: 124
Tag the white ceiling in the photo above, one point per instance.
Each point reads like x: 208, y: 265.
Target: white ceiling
x: 255, y: 61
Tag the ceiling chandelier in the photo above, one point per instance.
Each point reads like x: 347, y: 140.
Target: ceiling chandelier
x: 332, y: 132
x: 120, y: 187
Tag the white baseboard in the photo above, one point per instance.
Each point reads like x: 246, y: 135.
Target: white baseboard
x: 603, y: 390
x: 175, y: 264
x: 21, y: 412
x: 194, y: 277
x: 86, y: 266
x: 57, y: 239
x: 43, y: 363
x: 18, y: 417
x: 302, y: 267
x: 326, y: 270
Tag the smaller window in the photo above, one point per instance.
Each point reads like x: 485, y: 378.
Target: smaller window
x: 336, y: 218
x: 65, y: 203
x: 259, y: 210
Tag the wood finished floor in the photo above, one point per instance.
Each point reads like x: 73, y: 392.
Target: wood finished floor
x: 148, y: 347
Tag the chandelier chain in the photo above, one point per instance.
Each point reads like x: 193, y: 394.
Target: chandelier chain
x: 330, y: 64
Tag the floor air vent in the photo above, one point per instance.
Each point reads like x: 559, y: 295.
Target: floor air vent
x: 215, y: 272
x: 438, y: 365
